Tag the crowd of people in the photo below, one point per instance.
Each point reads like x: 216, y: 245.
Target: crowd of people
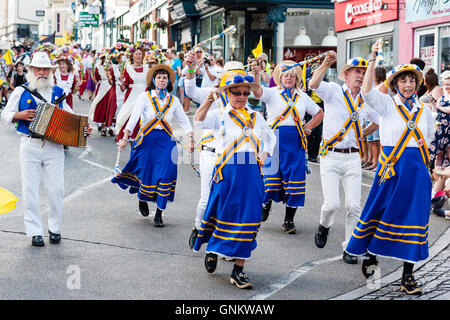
x: 261, y: 124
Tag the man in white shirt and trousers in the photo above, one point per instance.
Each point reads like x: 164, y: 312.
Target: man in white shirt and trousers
x: 38, y: 155
x: 342, y: 145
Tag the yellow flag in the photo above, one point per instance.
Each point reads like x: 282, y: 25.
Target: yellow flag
x: 259, y: 49
x: 7, y: 201
x: 304, y: 75
x: 8, y: 56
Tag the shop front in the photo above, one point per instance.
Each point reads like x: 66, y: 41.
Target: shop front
x: 359, y: 23
x: 425, y: 29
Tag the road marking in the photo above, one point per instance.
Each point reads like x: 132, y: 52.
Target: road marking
x: 85, y: 152
x: 98, y: 165
x: 290, y: 277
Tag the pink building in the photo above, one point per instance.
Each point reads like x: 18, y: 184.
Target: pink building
x: 424, y: 27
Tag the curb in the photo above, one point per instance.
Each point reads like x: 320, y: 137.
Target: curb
x: 435, y: 249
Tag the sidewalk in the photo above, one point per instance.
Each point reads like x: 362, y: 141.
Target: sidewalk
x: 433, y: 274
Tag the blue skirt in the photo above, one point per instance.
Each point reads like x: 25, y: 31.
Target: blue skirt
x: 394, y: 221
x: 285, y: 171
x: 234, y: 210
x: 151, y: 171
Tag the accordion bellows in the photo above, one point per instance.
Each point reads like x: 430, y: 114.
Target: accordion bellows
x: 59, y: 126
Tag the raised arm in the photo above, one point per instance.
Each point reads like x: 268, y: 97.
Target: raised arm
x: 370, y: 72
x: 320, y: 72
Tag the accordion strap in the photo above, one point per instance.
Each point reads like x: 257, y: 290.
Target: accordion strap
x: 39, y: 96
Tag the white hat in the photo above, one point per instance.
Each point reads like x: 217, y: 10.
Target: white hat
x: 41, y: 60
x: 445, y: 75
x: 233, y: 65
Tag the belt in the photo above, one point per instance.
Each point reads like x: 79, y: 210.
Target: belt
x: 346, y: 150
x: 206, y: 148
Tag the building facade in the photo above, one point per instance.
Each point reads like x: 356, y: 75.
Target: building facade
x: 19, y: 19
x: 425, y: 30
x: 59, y: 19
x: 276, y: 22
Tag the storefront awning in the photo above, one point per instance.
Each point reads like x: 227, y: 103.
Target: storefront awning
x: 321, y: 4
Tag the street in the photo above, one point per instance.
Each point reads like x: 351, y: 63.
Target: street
x: 109, y: 251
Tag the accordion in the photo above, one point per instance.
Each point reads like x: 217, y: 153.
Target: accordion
x: 59, y: 126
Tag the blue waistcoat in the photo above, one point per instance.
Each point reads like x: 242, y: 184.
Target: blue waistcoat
x: 27, y: 102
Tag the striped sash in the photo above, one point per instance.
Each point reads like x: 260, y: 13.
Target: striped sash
x: 159, y: 119
x: 352, y: 122
x: 246, y: 135
x: 290, y: 109
x: 412, y: 130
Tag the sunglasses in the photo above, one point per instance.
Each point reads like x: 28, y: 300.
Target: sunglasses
x: 238, y: 94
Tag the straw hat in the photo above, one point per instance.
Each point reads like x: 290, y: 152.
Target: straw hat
x: 277, y: 72
x: 231, y: 67
x: 236, y: 79
x: 403, y: 68
x: 164, y: 67
x: 357, y: 62
x: 41, y: 60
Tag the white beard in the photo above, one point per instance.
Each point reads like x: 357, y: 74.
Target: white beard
x: 40, y: 84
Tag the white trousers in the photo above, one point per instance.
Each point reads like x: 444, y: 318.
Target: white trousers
x: 41, y: 157
x: 334, y: 168
x: 207, y: 161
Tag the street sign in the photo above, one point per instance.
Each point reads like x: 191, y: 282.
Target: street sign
x: 40, y: 13
x: 87, y: 19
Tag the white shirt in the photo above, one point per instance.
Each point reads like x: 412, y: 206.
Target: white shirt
x: 336, y: 113
x: 275, y: 105
x: 13, y: 102
x: 232, y: 131
x: 199, y: 95
x: 143, y: 110
x: 206, y: 81
x: 392, y: 124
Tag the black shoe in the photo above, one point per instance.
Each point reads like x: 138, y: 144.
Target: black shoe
x: 193, y: 237
x: 158, y: 222
x: 321, y: 236
x: 350, y: 259
x: 37, y: 241
x: 99, y: 128
x: 54, y: 237
x: 314, y: 160
x: 143, y: 208
x: 66, y: 148
x: 241, y: 280
x: 111, y: 132
x: 289, y: 227
x: 210, y: 262
x: 266, y: 210
x: 366, y: 264
x: 439, y: 212
x: 409, y: 285
x: 103, y: 133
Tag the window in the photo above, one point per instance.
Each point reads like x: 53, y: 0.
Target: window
x: 235, y: 43
x: 444, y: 48
x: 363, y: 48
x: 58, y: 23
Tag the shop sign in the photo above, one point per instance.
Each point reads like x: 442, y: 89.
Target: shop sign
x: 87, y: 19
x: 361, y: 13
x: 427, y: 55
x: 417, y: 10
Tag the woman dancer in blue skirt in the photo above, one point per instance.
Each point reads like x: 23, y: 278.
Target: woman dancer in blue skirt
x: 285, y: 171
x: 151, y: 171
x: 233, y: 213
x: 394, y: 221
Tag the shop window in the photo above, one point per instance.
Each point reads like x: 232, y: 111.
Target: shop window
x: 205, y: 30
x: 308, y: 27
x: 444, y: 45
x: 217, y: 28
x: 235, y: 43
x: 363, y: 48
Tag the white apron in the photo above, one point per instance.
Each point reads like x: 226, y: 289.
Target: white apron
x: 103, y: 89
x: 139, y: 85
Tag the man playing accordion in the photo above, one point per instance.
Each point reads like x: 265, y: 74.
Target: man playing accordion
x: 37, y: 155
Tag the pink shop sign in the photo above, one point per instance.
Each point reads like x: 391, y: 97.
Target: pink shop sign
x: 417, y: 10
